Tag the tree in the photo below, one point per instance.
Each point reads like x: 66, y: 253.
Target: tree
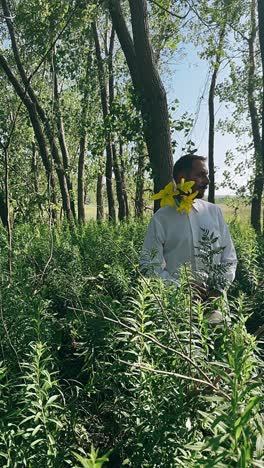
x: 253, y: 110
x: 37, y: 115
x: 261, y: 41
x: 148, y: 87
x: 105, y: 110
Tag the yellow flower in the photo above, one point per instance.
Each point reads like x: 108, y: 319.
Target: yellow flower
x: 185, y: 187
x: 166, y: 195
x: 187, y: 202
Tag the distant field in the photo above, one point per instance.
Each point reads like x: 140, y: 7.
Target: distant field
x: 243, y: 212
x: 90, y: 211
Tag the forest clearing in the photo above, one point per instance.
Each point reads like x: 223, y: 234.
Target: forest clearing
x: 108, y: 359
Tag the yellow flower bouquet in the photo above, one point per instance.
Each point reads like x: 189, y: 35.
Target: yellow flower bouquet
x: 178, y: 195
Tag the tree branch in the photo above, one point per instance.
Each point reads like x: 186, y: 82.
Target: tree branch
x: 168, y: 11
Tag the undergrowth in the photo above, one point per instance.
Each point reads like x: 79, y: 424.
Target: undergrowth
x: 100, y: 366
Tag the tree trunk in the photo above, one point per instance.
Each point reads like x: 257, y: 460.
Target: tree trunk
x: 34, y: 169
x: 211, y: 165
x: 139, y: 203
x: 148, y: 87
x: 258, y: 179
x: 116, y: 167
x: 99, y: 198
x: 261, y: 41
x: 122, y: 163
x: 3, y: 209
x: 105, y: 109
x: 62, y: 142
x: 40, y: 112
x: 81, y: 162
x: 81, y: 193
x: 7, y: 207
x: 119, y: 186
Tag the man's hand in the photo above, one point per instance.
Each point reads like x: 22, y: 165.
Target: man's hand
x: 213, y: 294
x: 200, y: 291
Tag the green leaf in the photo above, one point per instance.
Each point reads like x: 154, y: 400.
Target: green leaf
x: 37, y: 429
x: 51, y: 399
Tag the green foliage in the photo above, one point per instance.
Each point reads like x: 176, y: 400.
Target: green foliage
x: 207, y: 251
x: 94, y: 461
x: 94, y: 355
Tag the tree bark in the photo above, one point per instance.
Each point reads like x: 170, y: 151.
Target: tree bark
x: 119, y: 186
x: 81, y: 192
x: 258, y: 178
x: 139, y: 202
x: 261, y: 41
x: 105, y: 110
x: 7, y: 207
x: 211, y: 165
x: 117, y: 171
x: 34, y: 169
x: 99, y: 198
x: 148, y: 87
x: 62, y: 142
x: 122, y: 163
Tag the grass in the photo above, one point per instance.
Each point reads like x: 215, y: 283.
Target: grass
x: 90, y: 211
x: 242, y: 213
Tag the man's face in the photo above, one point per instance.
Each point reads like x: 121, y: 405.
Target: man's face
x: 199, y: 174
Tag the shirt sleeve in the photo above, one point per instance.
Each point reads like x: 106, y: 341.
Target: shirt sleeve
x: 152, y: 262
x: 228, y: 256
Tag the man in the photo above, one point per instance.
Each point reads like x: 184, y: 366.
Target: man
x: 173, y: 237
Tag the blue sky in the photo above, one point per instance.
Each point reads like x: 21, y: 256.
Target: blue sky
x: 187, y: 81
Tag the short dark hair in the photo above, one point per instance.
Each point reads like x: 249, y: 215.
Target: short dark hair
x: 185, y: 163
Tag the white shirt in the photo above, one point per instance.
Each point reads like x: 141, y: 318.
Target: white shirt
x: 172, y: 237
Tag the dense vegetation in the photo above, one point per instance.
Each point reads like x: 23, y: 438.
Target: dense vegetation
x: 93, y: 354
x: 98, y: 364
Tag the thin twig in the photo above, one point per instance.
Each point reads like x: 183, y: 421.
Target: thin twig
x: 174, y: 374
x: 192, y: 8
x: 169, y: 11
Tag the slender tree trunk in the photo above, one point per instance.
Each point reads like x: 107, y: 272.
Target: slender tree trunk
x: 123, y: 169
x: 83, y: 138
x: 139, y: 203
x: 7, y: 206
x: 261, y: 41
x: 40, y: 112
x: 99, y: 198
x: 81, y: 192
x: 148, y: 87
x: 117, y: 171
x: 119, y: 186
x: 34, y: 169
x: 258, y: 179
x: 3, y: 209
x: 62, y: 142
x: 211, y: 165
x: 105, y: 109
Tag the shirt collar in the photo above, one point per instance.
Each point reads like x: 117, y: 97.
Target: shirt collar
x: 196, y: 204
